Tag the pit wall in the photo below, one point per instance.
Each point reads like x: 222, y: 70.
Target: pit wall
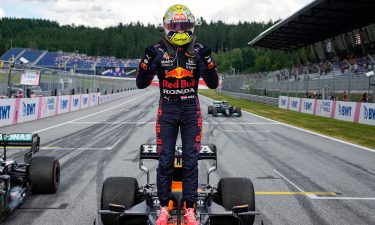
x: 357, y: 112
x: 20, y: 110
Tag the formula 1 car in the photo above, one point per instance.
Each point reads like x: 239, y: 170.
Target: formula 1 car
x: 123, y: 202
x: 37, y: 175
x: 222, y: 108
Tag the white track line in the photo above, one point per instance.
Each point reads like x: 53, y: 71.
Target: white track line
x: 55, y: 148
x: 307, y: 131
x: 314, y: 197
x: 90, y: 115
x: 143, y: 122
x: 105, y: 122
x: 287, y: 180
x: 244, y: 131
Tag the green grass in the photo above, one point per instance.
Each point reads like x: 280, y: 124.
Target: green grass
x: 353, y: 132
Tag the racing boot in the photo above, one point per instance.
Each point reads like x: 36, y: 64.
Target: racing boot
x: 163, y: 216
x: 190, y: 217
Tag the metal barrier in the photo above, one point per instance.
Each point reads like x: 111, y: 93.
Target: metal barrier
x: 254, y: 98
x: 59, y: 82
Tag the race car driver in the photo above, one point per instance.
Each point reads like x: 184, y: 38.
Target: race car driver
x: 178, y: 60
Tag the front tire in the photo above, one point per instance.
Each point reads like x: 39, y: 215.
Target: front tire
x: 44, y: 175
x: 237, y: 191
x: 118, y: 190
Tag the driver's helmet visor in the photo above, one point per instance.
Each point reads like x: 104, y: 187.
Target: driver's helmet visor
x: 179, y: 25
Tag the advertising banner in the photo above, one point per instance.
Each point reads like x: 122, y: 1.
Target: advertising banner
x: 30, y: 78
x: 49, y: 106
x: 85, y: 101
x: 324, y: 108
x: 7, y: 111
x: 75, y: 104
x: 367, y: 113
x: 93, y: 99
x: 283, y: 102
x: 28, y: 109
x: 294, y: 104
x: 345, y: 111
x: 63, y: 104
x: 308, y: 106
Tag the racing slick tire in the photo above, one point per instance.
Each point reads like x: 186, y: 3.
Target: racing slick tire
x: 236, y: 191
x: 215, y: 112
x: 210, y: 109
x: 44, y: 174
x: 121, y: 191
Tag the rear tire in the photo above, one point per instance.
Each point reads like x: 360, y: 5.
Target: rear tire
x: 121, y: 191
x: 210, y: 109
x: 237, y: 191
x: 44, y: 175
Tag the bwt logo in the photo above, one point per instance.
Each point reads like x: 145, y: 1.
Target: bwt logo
x: 28, y: 109
x: 307, y: 106
x: 63, y: 103
x: 76, y: 102
x: 283, y: 101
x: 294, y: 104
x: 369, y: 113
x: 85, y: 100
x: 51, y: 104
x: 345, y: 111
x: 4, y: 112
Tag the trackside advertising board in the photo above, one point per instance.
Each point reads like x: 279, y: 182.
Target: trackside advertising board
x: 283, y: 102
x: 357, y: 112
x: 28, y: 109
x: 7, y: 110
x: 75, y: 103
x: 367, y: 113
x: 324, y: 108
x: 64, y: 104
x: 13, y: 111
x: 93, y: 99
x: 85, y: 101
x: 345, y: 111
x: 30, y: 78
x: 49, y: 106
x: 294, y: 104
x: 308, y: 105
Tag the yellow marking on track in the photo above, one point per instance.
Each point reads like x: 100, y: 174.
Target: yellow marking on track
x: 295, y: 193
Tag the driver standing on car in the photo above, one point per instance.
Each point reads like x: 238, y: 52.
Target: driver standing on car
x: 179, y: 60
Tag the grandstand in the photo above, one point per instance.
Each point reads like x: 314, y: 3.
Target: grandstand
x: 340, y: 35
x: 80, y: 63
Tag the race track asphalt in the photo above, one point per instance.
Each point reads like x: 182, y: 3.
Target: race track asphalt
x: 299, y: 178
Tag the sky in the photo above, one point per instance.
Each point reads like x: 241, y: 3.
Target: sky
x: 104, y: 13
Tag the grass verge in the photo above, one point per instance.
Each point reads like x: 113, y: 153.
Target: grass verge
x: 353, y: 132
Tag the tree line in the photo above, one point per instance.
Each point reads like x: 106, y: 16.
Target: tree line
x: 228, y: 41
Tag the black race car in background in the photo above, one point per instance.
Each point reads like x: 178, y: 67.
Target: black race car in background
x: 222, y: 108
x: 37, y: 175
x: 231, y: 202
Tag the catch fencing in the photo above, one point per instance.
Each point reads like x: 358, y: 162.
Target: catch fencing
x: 326, y: 85
x: 59, y: 82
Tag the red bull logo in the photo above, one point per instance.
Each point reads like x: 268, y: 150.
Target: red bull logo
x: 179, y: 73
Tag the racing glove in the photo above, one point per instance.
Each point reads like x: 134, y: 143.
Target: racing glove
x: 145, y: 73
x: 205, y: 54
x: 209, y: 72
